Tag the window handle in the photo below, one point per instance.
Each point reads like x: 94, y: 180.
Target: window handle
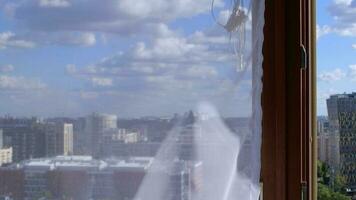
x: 304, y: 57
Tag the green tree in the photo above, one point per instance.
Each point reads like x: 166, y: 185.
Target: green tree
x: 330, y: 188
x: 325, y: 193
x: 340, y: 184
x: 323, y: 173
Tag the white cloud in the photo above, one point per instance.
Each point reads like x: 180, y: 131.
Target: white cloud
x: 71, y: 69
x: 343, y: 2
x: 166, y: 69
x: 339, y: 74
x: 354, y: 46
x: 344, y: 19
x: 344, y: 15
x: 9, y: 8
x: 110, y: 16
x: 200, y: 37
x: 79, y: 39
x: 53, y: 3
x: 33, y: 39
x: 175, y: 57
x: 322, y: 30
x: 88, y: 95
x: 84, y: 39
x: 168, y: 9
x: 202, y: 72
x: 160, y: 30
x: 10, y: 40
x: 19, y: 83
x: 334, y: 75
x: 167, y: 48
x: 347, y: 30
x: 65, y: 22
x: 352, y: 73
x: 7, y: 68
x: 173, y: 66
x: 98, y: 81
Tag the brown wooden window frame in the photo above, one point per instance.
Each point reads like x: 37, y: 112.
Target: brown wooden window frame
x: 288, y: 101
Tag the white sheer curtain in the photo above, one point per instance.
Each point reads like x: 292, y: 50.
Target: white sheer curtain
x: 220, y: 159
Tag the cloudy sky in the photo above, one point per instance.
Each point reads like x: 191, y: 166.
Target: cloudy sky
x: 336, y: 49
x: 130, y: 58
x: 134, y: 58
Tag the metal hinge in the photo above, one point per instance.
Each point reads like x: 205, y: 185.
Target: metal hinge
x: 304, y: 191
x: 304, y: 57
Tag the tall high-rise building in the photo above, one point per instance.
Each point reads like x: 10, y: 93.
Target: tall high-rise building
x: 5, y: 155
x: 342, y: 122
x: 328, y: 144
x: 67, y: 139
x: 79, y: 137
x: 59, y: 139
x: 25, y: 136
x: 5, y: 152
x: 322, y: 125
x: 95, y: 125
x: 1, y: 139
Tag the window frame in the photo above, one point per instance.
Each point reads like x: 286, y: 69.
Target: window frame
x: 288, y: 101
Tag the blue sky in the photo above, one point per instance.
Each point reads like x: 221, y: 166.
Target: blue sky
x: 134, y: 58
x: 335, y: 49
x: 130, y: 58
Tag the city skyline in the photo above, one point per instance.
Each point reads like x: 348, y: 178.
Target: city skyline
x: 102, y: 157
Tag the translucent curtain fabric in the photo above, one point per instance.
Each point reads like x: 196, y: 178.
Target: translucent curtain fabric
x: 223, y: 160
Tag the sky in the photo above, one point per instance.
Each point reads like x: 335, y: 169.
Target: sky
x: 336, y: 49
x: 130, y: 58
x: 144, y: 57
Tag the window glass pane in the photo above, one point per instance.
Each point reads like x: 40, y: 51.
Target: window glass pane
x: 121, y: 99
x: 336, y: 99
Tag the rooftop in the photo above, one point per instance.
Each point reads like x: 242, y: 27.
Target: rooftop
x: 83, y: 162
x: 345, y: 95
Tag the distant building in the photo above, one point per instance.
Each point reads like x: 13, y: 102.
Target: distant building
x: 83, y: 178
x: 59, y: 139
x: 323, y: 125
x: 118, y: 148
x: 122, y: 135
x: 1, y: 139
x: 151, y: 129
x: 5, y: 152
x: 322, y: 139
x: 328, y: 144
x: 25, y: 136
x: 5, y: 156
x: 95, y: 125
x: 329, y: 150
x: 342, y: 122
x: 11, y: 184
x: 79, y: 137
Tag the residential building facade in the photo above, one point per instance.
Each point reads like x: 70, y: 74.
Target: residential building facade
x: 59, y: 139
x: 342, y: 122
x: 83, y: 178
x: 5, y: 156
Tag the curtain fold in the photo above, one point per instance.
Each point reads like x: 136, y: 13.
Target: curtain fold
x: 215, y: 156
